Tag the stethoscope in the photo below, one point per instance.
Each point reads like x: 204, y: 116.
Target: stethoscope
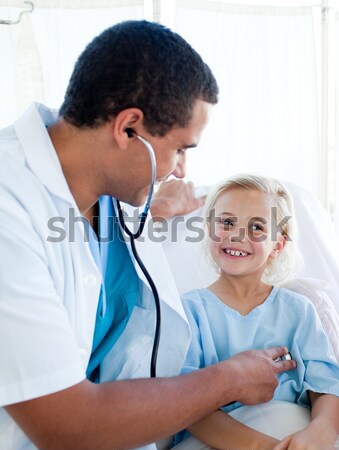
x: 133, y: 236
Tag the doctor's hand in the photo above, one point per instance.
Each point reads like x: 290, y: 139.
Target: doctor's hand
x: 257, y: 373
x: 174, y: 198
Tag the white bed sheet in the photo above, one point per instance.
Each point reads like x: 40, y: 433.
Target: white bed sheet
x: 276, y: 419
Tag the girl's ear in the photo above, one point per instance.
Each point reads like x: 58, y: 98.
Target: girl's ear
x: 278, y: 247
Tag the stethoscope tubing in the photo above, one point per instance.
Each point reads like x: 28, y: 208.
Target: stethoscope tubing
x: 133, y: 237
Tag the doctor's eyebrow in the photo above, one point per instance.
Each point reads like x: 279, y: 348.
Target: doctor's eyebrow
x: 186, y: 146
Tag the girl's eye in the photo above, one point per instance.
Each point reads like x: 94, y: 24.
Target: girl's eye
x: 227, y: 223
x: 256, y: 227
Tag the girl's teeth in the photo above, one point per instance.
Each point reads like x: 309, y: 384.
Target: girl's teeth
x: 236, y: 253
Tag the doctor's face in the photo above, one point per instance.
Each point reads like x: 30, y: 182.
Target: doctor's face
x: 170, y: 152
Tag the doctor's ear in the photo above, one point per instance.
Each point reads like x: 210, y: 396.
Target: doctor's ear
x: 125, y: 125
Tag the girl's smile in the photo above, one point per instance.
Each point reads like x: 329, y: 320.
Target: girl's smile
x: 235, y: 253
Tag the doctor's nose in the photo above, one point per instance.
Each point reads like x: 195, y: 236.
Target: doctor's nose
x: 180, y: 169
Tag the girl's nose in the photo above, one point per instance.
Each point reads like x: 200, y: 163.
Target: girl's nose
x: 238, y: 235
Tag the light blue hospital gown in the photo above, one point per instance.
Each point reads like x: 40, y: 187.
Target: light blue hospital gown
x: 284, y: 319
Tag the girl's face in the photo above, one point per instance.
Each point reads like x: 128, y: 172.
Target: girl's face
x: 242, y: 232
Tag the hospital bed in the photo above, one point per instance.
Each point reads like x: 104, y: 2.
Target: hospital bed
x: 318, y: 279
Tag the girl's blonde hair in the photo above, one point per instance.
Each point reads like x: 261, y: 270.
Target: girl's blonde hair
x: 280, y: 269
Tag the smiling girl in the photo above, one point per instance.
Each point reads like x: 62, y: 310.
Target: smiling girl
x: 251, y: 241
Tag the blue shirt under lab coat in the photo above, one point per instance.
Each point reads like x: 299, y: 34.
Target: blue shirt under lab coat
x: 120, y: 287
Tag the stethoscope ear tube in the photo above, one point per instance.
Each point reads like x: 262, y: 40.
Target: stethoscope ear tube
x: 133, y: 236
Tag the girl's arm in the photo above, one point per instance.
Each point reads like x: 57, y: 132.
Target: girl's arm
x: 322, y: 431
x: 221, y: 431
x: 325, y: 408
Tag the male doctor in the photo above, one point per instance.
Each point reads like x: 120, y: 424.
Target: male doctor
x: 75, y: 313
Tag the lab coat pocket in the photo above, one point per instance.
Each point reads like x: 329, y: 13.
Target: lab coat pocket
x: 131, y: 355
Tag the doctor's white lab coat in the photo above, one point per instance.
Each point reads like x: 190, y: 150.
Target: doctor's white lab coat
x: 49, y: 290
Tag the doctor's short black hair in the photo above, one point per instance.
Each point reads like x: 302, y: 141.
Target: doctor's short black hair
x: 143, y: 65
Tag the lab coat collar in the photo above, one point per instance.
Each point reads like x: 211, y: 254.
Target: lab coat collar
x: 39, y: 151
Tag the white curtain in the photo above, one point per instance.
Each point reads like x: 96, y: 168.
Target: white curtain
x: 265, y: 63
x: 38, y: 54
